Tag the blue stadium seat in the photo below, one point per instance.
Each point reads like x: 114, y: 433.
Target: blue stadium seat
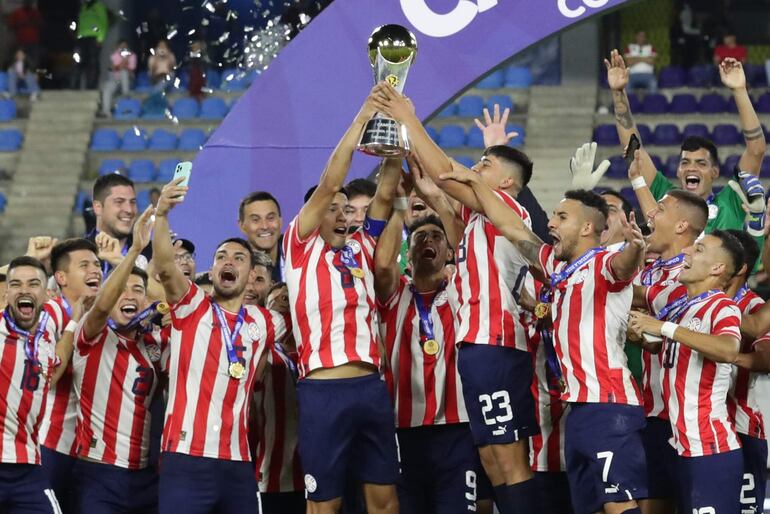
x: 518, y: 77
x: 185, y: 108
x: 182, y: 79
x: 191, y: 139
x: 466, y: 161
x: 518, y: 140
x: 234, y: 79
x: 702, y: 75
x: 10, y: 140
x: 764, y: 171
x: 142, y: 82
x: 504, y: 101
x: 134, y: 140
x: 470, y: 106
x: 163, y: 141
x: 142, y: 199
x: 657, y: 162
x: 729, y: 164
x: 671, y: 167
x: 451, y: 136
x: 726, y: 134
x: 3, y: 201
x: 628, y: 194
x: 732, y: 107
x: 617, y: 167
x: 492, y: 81
x: 213, y: 108
x: 683, y: 103
x: 606, y: 135
x: 449, y: 110
x: 645, y: 133
x: 763, y: 103
x: 7, y: 109
x: 127, y: 109
x: 213, y: 78
x: 111, y: 166
x: 141, y: 171
x: 80, y: 199
x: 475, y: 138
x: 655, y: 103
x: 3, y: 81
x: 667, y: 134
x: 433, y: 133
x: 672, y: 76
x: 634, y: 103
x: 695, y: 129
x: 166, y: 170
x: 712, y: 103
x: 755, y: 74
x: 105, y: 140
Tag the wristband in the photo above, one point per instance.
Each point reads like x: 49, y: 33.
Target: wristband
x: 668, y: 329
x: 374, y: 227
x: 401, y: 203
x: 71, y: 326
x: 638, y: 183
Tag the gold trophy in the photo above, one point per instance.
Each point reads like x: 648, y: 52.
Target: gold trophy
x: 391, y: 51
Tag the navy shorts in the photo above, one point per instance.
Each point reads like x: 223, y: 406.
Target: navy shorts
x: 346, y: 426
x: 754, y: 473
x: 661, y: 459
x: 25, y: 489
x: 105, y: 489
x: 59, y: 470
x: 604, y: 454
x: 282, y: 503
x: 440, y: 470
x: 553, y: 492
x: 496, y: 387
x: 710, y: 484
x: 200, y: 485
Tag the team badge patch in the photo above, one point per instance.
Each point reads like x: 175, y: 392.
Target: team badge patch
x: 153, y: 352
x: 310, y: 483
x: 253, y: 331
x: 694, y: 324
x: 441, y: 298
x: 354, y: 246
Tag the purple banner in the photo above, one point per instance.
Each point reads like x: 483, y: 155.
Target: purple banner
x: 280, y: 134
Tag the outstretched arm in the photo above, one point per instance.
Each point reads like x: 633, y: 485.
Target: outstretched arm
x: 757, y: 360
x: 386, y: 270
x: 629, y: 261
x: 382, y: 203
x: 493, y: 128
x: 174, y: 282
x: 66, y: 343
x: 437, y: 200
x: 646, y: 201
x: 733, y: 77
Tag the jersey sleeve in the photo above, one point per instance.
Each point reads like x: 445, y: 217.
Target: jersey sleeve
x: 660, y: 186
x: 659, y: 295
x: 726, y: 321
x: 276, y: 324
x: 391, y: 303
x: 84, y: 344
x: 294, y: 247
x: 547, y: 260
x: 609, y: 274
x: 189, y: 303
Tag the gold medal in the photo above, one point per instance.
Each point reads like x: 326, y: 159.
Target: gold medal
x: 542, y: 310
x: 162, y: 308
x: 430, y: 347
x: 356, y: 272
x: 236, y: 370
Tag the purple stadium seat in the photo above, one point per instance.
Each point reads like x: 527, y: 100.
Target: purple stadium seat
x: 655, y: 103
x: 634, y: 103
x: 433, y: 133
x: 731, y: 107
x: 765, y: 169
x: 470, y: 106
x: 703, y: 75
x: 726, y: 134
x: 617, y: 168
x: 475, y: 138
x: 449, y: 110
x: 492, y: 81
x: 451, y: 136
x: 672, y: 164
x: 729, y: 164
x: 667, y: 134
x: 606, y: 135
x: 672, y: 76
x: 755, y: 75
x: 713, y: 103
x: 645, y: 132
x: 695, y: 129
x: 683, y: 103
x: 763, y: 103
x: 657, y: 162
x: 628, y: 194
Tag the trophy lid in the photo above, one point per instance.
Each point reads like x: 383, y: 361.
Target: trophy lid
x: 395, y: 43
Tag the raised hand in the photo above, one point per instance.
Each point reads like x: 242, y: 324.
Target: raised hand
x: 143, y: 229
x: 40, y: 247
x: 636, y: 165
x: 617, y: 73
x: 732, y: 74
x: 171, y: 195
x: 631, y: 231
x: 423, y: 185
x: 109, y: 249
x: 582, y: 167
x: 493, y: 127
x: 82, y: 306
x: 641, y: 323
x: 390, y: 102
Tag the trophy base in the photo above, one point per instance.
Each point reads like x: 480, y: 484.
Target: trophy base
x: 384, y: 137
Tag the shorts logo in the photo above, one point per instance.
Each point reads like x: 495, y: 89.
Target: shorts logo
x: 354, y: 246
x: 441, y: 299
x: 254, y: 331
x: 310, y: 483
x: 694, y: 324
x: 153, y: 352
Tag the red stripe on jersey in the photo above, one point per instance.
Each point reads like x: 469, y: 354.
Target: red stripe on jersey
x: 743, y: 404
x: 114, y: 408
x: 325, y: 351
x: 7, y: 369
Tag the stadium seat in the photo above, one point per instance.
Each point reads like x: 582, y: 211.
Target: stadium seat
x: 695, y: 129
x: 142, y: 82
x: 504, y: 101
x: 713, y: 103
x: 433, y: 133
x: 606, y: 135
x: 518, y: 77
x: 191, y: 139
x: 213, y: 78
x: 672, y: 165
x: 7, y: 109
x: 213, y: 108
x: 166, y: 170
x: 703, y: 75
x: 142, y: 199
x: 105, y: 140
x: 449, y: 110
x: 657, y: 162
x: 634, y: 103
x: 729, y: 164
x: 492, y: 81
x: 3, y: 201
x: 756, y: 75
x: 683, y: 103
x: 732, y: 107
x: 451, y: 136
x: 127, y: 109
x: 628, y: 194
x: 764, y: 171
x: 475, y: 138
x: 10, y: 140
x: 518, y: 140
x: 80, y: 200
x: 667, y: 134
x: 233, y: 79
x: 726, y: 134
x: 672, y: 76
x: 466, y: 161
x: 141, y: 170
x: 111, y: 166
x: 617, y: 167
x: 162, y: 141
x: 3, y: 81
x: 134, y: 140
x: 645, y: 132
x: 763, y: 103
x: 185, y: 108
x: 470, y: 106
x: 182, y: 79
x: 655, y: 103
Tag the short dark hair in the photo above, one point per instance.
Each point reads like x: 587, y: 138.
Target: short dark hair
x: 310, y: 192
x: 699, y: 207
x: 750, y: 248
x: 733, y: 247
x: 60, y: 253
x: 589, y: 199
x: 240, y: 241
x: 361, y: 187
x: 513, y: 156
x: 430, y: 219
x: 626, y: 205
x: 260, y: 258
x: 257, y: 196
x: 105, y: 183
x: 139, y: 272
x: 695, y: 143
x: 26, y: 260
x: 203, y: 279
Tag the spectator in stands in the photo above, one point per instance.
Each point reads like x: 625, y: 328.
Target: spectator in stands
x: 3, y: 286
x: 197, y: 64
x: 729, y: 48
x: 22, y: 75
x: 92, y: 28
x: 686, y: 38
x: 154, y: 196
x: 161, y: 65
x: 25, y: 22
x: 360, y: 194
x: 640, y: 56
x: 259, y: 218
x: 123, y: 66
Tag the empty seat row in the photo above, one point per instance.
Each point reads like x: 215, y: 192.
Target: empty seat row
x: 472, y: 106
x: 669, y: 134
x: 228, y: 79
x: 517, y: 77
x: 137, y: 140
x: 687, y: 103
x: 10, y: 140
x: 212, y: 108
x: 7, y: 109
x: 707, y: 76
x: 140, y: 170
x: 454, y: 136
x: 669, y: 167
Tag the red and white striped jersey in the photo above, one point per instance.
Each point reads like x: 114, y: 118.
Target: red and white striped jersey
x: 115, y: 378
x: 24, y: 391
x: 332, y: 311
x: 57, y: 430
x: 207, y: 413
x: 695, y: 388
x: 490, y: 271
x: 275, y: 400
x: 426, y: 390
x: 742, y: 401
x: 590, y: 315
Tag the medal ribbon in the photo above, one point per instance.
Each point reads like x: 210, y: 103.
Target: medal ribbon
x: 546, y: 337
x: 136, y: 321
x: 67, y: 306
x: 681, y: 304
x: 557, y: 278
x: 228, y: 336
x: 348, y: 258
x: 658, y: 264
x: 741, y: 293
x: 423, y: 310
x: 31, y: 353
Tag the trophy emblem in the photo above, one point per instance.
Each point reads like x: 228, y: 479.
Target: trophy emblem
x: 391, y: 52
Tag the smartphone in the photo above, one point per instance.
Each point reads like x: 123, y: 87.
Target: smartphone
x: 183, y: 169
x: 633, y: 145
